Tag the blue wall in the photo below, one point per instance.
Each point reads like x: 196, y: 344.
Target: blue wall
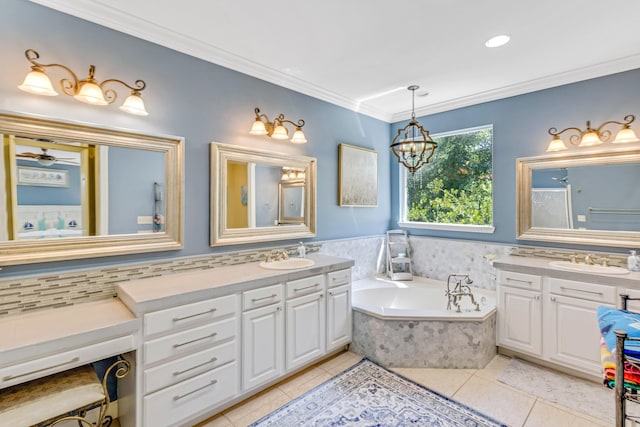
x: 187, y: 97
x: 520, y: 126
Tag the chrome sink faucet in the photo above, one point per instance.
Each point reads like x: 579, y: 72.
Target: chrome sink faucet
x: 459, y: 290
x: 281, y: 255
x: 588, y: 259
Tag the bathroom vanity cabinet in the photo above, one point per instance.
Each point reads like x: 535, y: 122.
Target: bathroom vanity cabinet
x: 550, y: 315
x: 213, y: 338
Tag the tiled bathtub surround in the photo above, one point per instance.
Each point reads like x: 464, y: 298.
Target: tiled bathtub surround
x: 365, y: 251
x: 424, y: 343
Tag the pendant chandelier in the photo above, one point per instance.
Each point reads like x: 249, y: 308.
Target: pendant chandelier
x: 412, y: 145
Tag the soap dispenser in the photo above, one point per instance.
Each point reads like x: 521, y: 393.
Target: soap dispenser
x: 302, y: 251
x: 633, y: 262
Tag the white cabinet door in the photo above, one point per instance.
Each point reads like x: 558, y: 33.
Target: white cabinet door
x: 338, y: 317
x: 263, y: 345
x: 520, y: 320
x: 574, y: 334
x: 306, y: 329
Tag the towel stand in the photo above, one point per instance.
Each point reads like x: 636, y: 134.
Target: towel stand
x: 622, y: 393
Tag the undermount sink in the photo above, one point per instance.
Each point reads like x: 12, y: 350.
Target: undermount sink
x: 588, y: 268
x: 287, y: 264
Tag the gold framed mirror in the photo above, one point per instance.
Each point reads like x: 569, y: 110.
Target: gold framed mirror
x: 247, y: 195
x: 81, y: 191
x: 589, y: 198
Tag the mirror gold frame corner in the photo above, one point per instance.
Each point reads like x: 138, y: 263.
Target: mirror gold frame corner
x: 13, y: 252
x: 524, y: 171
x: 221, y: 233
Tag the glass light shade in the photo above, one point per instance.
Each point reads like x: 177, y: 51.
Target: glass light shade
x: 298, y: 137
x: 590, y: 138
x: 134, y: 105
x: 46, y: 161
x: 280, y: 132
x: 557, y: 144
x: 258, y: 128
x: 38, y: 82
x: 625, y: 135
x: 90, y: 93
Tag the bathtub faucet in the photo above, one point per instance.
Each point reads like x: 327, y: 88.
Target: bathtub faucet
x: 459, y: 290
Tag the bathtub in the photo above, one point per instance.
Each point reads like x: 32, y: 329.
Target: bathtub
x: 419, y: 299
x: 407, y: 324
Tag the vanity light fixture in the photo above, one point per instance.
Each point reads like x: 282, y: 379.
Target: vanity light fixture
x: 89, y: 90
x: 412, y: 145
x: 276, y: 129
x: 590, y: 136
x: 292, y: 174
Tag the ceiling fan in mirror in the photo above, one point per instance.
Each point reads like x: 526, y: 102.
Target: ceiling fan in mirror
x: 46, y: 159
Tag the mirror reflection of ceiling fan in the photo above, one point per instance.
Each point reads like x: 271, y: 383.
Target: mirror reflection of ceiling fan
x: 46, y: 159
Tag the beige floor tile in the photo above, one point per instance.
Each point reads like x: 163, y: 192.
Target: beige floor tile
x: 340, y: 363
x: 494, y: 368
x: 217, y: 421
x: 544, y: 414
x: 300, y: 379
x: 496, y: 400
x: 258, y: 406
x: 294, y: 392
x: 444, y: 381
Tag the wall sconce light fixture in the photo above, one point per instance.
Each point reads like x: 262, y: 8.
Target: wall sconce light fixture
x: 89, y: 90
x: 412, y: 145
x: 292, y: 175
x: 590, y: 136
x: 276, y: 129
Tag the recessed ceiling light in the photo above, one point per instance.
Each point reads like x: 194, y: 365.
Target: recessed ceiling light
x: 497, y: 41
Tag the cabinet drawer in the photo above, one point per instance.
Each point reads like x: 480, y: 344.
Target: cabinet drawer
x: 520, y: 280
x: 189, y: 314
x: 186, y: 341
x: 305, y: 286
x: 261, y: 297
x: 44, y: 366
x: 583, y: 290
x: 176, y: 404
x: 337, y: 278
x: 189, y: 366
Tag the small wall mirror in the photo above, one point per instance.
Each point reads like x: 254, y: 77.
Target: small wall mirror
x: 78, y: 191
x: 584, y: 198
x: 259, y: 195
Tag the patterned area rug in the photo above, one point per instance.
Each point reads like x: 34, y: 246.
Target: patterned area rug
x: 369, y: 395
x: 574, y: 393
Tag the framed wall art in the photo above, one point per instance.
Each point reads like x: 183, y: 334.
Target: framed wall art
x: 357, y: 176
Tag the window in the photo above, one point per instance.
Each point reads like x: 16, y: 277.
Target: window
x: 454, y: 190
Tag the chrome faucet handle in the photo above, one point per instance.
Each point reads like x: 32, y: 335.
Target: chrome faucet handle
x: 268, y: 258
x: 605, y: 261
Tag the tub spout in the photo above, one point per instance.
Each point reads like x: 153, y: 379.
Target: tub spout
x: 459, y: 290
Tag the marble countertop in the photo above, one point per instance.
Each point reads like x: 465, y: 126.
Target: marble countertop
x: 541, y: 267
x: 36, y: 334
x: 156, y: 293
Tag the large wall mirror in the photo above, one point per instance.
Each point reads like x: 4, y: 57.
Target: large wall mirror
x: 585, y: 198
x: 259, y: 195
x: 78, y: 191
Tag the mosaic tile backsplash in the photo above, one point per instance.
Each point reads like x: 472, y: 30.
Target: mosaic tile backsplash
x: 431, y: 257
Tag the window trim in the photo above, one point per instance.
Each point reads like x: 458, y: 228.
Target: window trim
x: 470, y: 228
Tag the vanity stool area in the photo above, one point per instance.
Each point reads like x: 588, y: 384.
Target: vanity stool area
x: 212, y: 338
x: 45, y: 357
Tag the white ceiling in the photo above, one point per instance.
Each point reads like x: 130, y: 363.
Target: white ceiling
x: 351, y: 52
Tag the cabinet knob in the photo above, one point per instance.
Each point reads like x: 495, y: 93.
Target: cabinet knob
x: 537, y: 297
x: 553, y: 299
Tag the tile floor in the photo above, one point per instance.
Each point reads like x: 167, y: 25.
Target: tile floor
x: 477, y: 388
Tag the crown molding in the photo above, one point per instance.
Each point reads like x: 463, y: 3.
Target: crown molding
x: 559, y: 79
x: 109, y: 17
x: 101, y: 13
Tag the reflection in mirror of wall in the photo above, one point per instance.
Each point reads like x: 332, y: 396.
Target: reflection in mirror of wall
x: 586, y: 198
x: 247, y: 195
x: 77, y: 191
